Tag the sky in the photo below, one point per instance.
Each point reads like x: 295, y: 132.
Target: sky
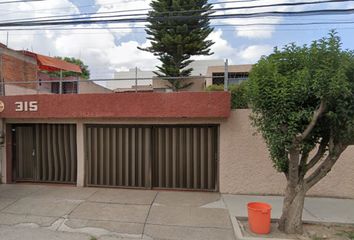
x: 106, y: 50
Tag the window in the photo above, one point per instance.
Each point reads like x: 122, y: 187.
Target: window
x: 234, y: 77
x: 68, y: 87
x: 218, y: 78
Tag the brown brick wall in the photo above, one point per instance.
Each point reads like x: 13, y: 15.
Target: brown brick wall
x: 15, y: 67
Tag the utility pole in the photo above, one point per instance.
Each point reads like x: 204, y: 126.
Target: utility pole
x: 226, y: 75
x: 7, y: 39
x: 136, y: 79
x: 61, y: 82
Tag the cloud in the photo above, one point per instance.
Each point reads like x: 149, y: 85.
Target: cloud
x: 261, y: 32
x: 253, y: 53
x: 118, y: 7
x: 128, y: 55
x: 237, y: 55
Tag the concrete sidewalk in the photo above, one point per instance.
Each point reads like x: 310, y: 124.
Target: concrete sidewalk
x: 318, y: 210
x: 62, y: 212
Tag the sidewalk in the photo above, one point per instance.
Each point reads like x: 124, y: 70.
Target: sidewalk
x: 318, y: 210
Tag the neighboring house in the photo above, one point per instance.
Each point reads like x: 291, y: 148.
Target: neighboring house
x: 236, y: 74
x: 213, y: 75
x: 126, y: 79
x: 16, y: 67
x: 199, y: 76
x: 24, y: 73
x: 69, y: 85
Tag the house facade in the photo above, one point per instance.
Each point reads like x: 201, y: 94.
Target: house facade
x: 180, y: 141
x: 131, y: 140
x: 24, y: 72
x: 124, y: 81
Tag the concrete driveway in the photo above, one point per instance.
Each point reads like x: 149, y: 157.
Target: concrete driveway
x: 62, y: 212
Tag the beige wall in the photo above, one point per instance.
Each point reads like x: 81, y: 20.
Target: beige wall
x: 198, y: 84
x: 84, y: 87
x: 91, y: 87
x: 245, y: 167
x: 12, y: 90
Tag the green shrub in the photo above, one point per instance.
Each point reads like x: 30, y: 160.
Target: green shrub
x: 239, y: 99
x: 215, y: 87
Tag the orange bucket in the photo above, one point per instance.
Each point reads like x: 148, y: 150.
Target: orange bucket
x: 259, y: 217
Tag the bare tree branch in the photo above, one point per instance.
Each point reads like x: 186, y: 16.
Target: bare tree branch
x: 320, y: 152
x: 303, y: 161
x: 325, y: 167
x: 316, y: 115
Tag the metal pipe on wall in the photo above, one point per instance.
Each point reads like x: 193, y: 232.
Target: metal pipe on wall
x: 226, y: 75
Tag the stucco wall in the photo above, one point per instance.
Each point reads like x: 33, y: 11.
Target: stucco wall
x: 91, y: 87
x: 245, y: 167
x: 197, y: 86
x: 14, y: 90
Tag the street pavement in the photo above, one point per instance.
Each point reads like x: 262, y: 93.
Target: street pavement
x: 42, y: 212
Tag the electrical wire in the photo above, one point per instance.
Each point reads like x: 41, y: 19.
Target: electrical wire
x: 21, y: 1
x: 89, y: 15
x: 143, y: 20
x: 212, y: 25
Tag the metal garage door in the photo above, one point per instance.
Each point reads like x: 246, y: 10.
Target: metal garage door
x: 185, y: 157
x: 171, y: 157
x: 45, y: 153
x: 118, y: 156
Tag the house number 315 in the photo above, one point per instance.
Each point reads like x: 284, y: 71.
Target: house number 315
x: 26, y: 106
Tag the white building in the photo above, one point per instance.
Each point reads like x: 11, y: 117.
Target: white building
x: 125, y: 79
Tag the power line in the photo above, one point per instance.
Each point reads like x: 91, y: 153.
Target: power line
x: 89, y: 15
x: 223, y: 29
x: 143, y: 20
x: 212, y: 25
x: 112, y: 3
x: 21, y: 1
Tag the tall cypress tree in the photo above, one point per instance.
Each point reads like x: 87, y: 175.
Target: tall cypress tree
x: 178, y: 30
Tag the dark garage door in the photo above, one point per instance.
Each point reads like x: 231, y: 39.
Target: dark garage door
x: 118, y: 156
x: 168, y: 157
x: 45, y: 153
x: 185, y: 157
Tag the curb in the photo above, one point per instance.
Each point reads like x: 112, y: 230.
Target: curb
x: 239, y: 235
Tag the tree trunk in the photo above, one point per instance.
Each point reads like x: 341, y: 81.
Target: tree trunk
x: 291, y: 219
